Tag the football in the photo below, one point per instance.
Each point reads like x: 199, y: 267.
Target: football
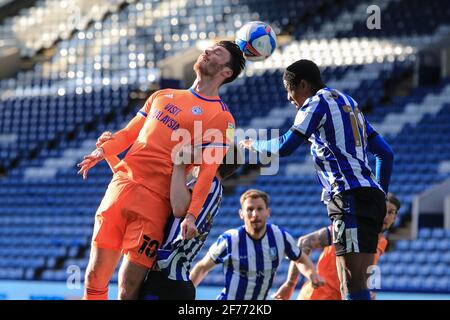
x: 257, y: 40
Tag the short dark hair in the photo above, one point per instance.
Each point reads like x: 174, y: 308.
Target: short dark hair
x: 231, y: 162
x: 394, y: 200
x: 303, y: 70
x: 237, y: 60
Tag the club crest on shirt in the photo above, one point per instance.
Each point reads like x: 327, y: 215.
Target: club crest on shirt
x: 273, y: 253
x: 230, y: 131
x: 196, y: 110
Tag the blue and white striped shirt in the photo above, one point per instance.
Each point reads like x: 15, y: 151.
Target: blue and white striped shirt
x: 175, y: 256
x: 338, y: 132
x: 250, y: 265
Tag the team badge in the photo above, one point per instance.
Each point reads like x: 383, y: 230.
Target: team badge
x: 197, y: 111
x: 230, y: 131
x: 273, y: 253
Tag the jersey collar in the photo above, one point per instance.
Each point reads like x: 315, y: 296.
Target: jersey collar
x: 215, y: 99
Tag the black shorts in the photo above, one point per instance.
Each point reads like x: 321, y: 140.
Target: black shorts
x: 157, y: 286
x: 357, y: 216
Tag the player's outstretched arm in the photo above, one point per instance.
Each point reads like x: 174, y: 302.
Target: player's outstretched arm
x: 111, y: 160
x: 282, y: 146
x: 314, y: 240
x: 286, y: 290
x: 201, y: 269
x: 384, y: 156
x: 307, y: 268
x: 124, y: 138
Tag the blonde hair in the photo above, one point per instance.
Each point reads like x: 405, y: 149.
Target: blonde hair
x: 254, y: 194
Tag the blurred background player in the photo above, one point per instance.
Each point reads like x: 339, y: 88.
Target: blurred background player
x: 326, y: 265
x: 252, y: 253
x: 134, y: 211
x: 340, y: 138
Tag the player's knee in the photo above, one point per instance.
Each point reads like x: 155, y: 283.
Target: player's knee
x: 94, y: 279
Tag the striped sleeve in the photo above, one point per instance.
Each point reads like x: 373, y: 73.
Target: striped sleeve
x: 219, y: 250
x: 310, y: 116
x: 291, y: 249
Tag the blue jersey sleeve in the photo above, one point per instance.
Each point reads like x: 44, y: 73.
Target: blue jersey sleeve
x: 310, y: 116
x: 384, y: 159
x: 219, y: 250
x: 283, y: 146
x: 370, y: 131
x: 292, y: 250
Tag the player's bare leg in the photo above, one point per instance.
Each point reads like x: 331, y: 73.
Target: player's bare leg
x: 352, y: 267
x: 341, y: 276
x: 101, y: 266
x: 131, y: 276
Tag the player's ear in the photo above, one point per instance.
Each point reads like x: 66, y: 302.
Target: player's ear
x: 268, y: 212
x: 303, y: 84
x: 241, y: 215
x: 226, y: 72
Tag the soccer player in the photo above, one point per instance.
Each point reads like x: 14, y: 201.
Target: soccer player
x: 340, y: 139
x: 133, y: 213
x: 252, y: 253
x: 326, y: 266
x: 169, y: 278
